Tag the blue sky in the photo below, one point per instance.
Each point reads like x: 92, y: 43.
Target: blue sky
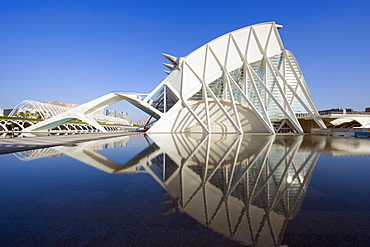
x: 75, y: 51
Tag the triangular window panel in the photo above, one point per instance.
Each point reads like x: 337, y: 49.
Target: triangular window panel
x: 252, y: 93
x: 217, y: 88
x: 259, y: 68
x: 158, y: 99
x: 164, y: 99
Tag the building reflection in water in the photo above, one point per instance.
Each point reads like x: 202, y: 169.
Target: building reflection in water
x: 246, y: 188
x: 84, y: 152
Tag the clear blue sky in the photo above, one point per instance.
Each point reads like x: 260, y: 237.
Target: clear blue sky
x: 75, y: 51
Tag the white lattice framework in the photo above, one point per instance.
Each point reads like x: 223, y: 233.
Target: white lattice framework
x: 35, y: 109
x: 243, y: 81
x: 57, y: 115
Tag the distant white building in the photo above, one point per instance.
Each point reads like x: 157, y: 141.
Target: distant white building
x: 110, y: 113
x: 40, y: 110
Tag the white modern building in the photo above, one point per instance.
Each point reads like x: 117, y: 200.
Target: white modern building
x: 243, y: 81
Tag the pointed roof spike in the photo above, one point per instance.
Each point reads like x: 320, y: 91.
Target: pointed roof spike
x: 278, y: 26
x: 170, y: 58
x: 167, y: 72
x: 169, y: 66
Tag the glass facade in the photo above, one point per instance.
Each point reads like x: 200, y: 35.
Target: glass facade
x: 254, y: 90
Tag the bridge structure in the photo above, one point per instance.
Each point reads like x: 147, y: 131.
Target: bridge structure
x: 30, y: 112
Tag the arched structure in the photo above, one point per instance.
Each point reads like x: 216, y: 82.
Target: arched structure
x: 57, y: 116
x: 243, y: 81
x: 11, y: 126
x: 352, y: 121
x: 41, y: 110
x: 35, y: 109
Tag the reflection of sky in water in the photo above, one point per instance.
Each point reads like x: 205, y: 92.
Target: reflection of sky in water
x: 336, y: 207
x: 122, y: 154
x: 60, y: 200
x: 344, y: 181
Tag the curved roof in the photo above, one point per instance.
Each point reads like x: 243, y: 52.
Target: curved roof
x: 228, y: 51
x: 363, y: 120
x: 247, y: 28
x: 35, y: 109
x: 40, y: 110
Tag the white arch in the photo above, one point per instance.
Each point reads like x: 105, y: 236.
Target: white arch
x: 36, y: 107
x: 83, y: 112
x: 363, y: 120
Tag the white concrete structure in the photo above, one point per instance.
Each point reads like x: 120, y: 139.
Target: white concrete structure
x: 243, y: 81
x: 35, y: 109
x: 40, y: 110
x: 364, y: 121
x: 86, y: 113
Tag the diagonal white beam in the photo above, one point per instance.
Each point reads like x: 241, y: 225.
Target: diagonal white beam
x: 264, y: 118
x: 236, y: 126
x: 287, y: 115
x: 320, y: 123
x: 184, y: 101
x: 204, y: 91
x: 216, y: 100
x: 289, y: 110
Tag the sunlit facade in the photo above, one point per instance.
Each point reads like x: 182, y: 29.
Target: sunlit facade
x: 243, y: 81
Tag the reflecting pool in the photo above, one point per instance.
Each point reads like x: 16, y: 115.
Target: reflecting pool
x: 189, y: 190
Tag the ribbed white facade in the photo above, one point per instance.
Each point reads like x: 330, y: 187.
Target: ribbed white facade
x: 243, y: 81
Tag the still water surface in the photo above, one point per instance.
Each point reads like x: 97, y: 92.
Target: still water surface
x: 189, y: 190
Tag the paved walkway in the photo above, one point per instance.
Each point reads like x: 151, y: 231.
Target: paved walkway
x: 18, y: 144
